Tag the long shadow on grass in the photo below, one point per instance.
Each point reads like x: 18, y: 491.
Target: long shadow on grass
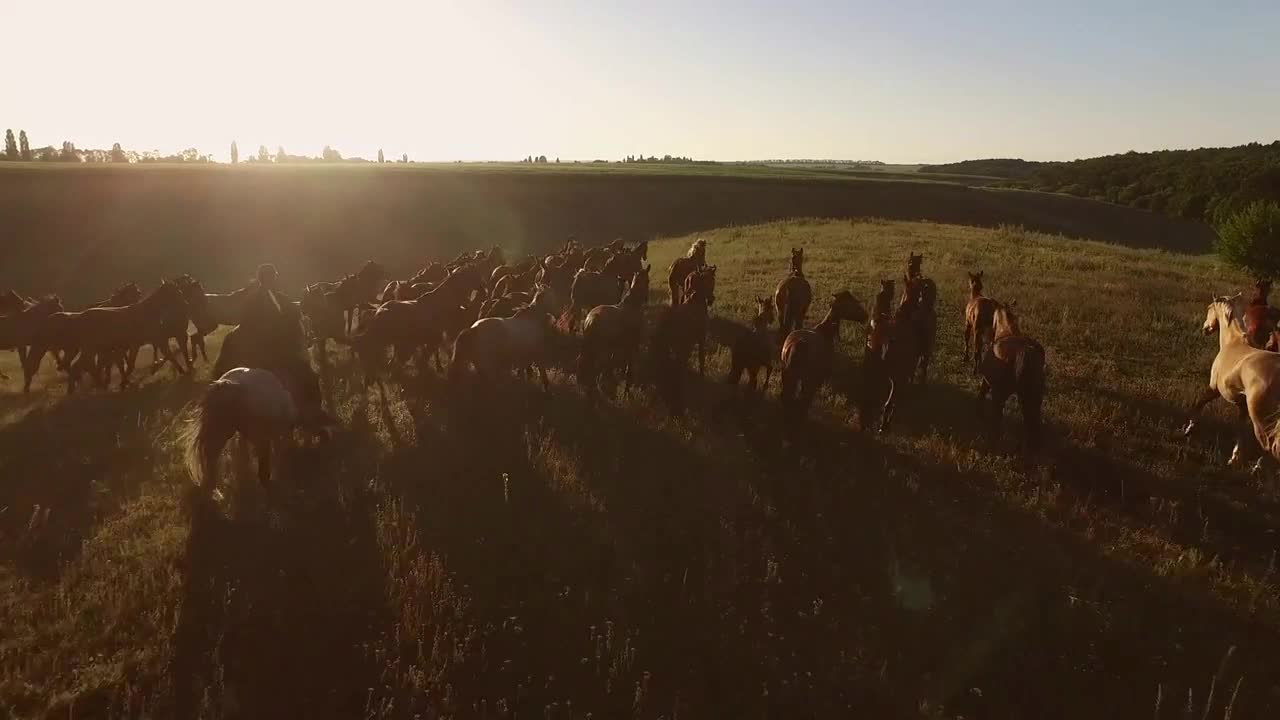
x: 280, y: 596
x: 882, y: 581
x: 67, y: 464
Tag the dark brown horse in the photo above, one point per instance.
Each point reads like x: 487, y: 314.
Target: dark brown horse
x: 105, y: 335
x: 978, y: 315
x: 680, y: 269
x: 808, y: 354
x: 611, y: 336
x: 589, y: 290
x: 1260, y: 319
x: 753, y: 349
x: 793, y: 296
x: 11, y: 302
x: 1014, y: 366
x: 678, y: 329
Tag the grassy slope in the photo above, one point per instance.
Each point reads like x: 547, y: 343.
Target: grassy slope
x: 552, y: 557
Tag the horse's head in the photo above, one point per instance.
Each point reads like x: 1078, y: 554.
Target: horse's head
x: 1004, y: 320
x: 845, y: 306
x: 884, y: 298
x: 623, y: 264
x: 1261, y: 289
x: 913, y: 264
x: 637, y: 290
x: 1221, y: 311
x: 797, y: 261
x: 698, y: 250
x: 267, y: 276
x: 975, y: 281
x: 701, y: 283
x: 641, y: 251
x: 764, y: 311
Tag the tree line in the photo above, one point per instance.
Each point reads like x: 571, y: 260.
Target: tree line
x: 18, y: 148
x: 1208, y: 185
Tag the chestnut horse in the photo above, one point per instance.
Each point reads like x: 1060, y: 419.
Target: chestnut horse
x: 808, y: 354
x: 678, y: 329
x: 896, y: 347
x: 591, y: 289
x: 1014, y: 366
x: 494, y: 346
x: 611, y: 336
x: 978, y: 319
x: 793, y: 296
x: 1260, y: 319
x: 18, y: 329
x: 694, y: 259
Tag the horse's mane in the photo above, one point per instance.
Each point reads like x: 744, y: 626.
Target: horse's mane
x: 699, y: 246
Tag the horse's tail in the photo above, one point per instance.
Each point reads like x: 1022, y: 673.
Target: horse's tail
x: 1029, y: 381
x: 463, y: 353
x: 212, y: 424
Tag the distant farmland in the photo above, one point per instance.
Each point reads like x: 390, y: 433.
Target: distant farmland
x: 79, y: 230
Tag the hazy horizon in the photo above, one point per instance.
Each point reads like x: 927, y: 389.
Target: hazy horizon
x: 494, y: 81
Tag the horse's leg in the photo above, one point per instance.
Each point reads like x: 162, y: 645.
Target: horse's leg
x: 1031, y: 420
x: 886, y: 412
x: 998, y: 400
x: 546, y: 383
x: 983, y: 389
x: 968, y: 339
x: 1242, y: 434
x: 31, y: 366
x: 263, y: 449
x: 1205, y: 397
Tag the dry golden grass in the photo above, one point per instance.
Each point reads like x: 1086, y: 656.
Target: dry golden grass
x: 494, y: 551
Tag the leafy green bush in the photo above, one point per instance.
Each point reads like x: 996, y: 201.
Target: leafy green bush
x: 1250, y: 239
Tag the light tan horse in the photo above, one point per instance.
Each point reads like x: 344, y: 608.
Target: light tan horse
x: 1243, y: 375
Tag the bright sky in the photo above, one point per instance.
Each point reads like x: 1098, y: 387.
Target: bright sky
x: 899, y: 81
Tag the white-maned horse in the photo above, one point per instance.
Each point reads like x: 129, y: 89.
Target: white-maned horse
x: 259, y: 406
x: 1247, y: 377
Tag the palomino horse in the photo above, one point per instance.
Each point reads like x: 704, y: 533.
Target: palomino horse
x: 694, y: 259
x: 1014, y: 366
x: 263, y: 407
x: 1260, y: 319
x: 105, y: 335
x: 792, y: 297
x: 18, y: 329
x: 494, y: 346
x: 678, y: 329
x: 753, y: 349
x: 611, y: 336
x: 1243, y: 375
x: 978, y: 319
x: 808, y: 354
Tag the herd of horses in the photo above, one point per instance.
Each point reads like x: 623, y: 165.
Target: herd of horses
x: 585, y: 310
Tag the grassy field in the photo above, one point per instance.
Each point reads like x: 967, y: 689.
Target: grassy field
x: 501, y: 552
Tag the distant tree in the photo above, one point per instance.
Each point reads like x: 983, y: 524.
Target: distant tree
x: 68, y: 153
x: 381, y: 157
x: 281, y: 156
x: 264, y: 155
x: 10, y: 146
x: 557, y: 161
x: 235, y: 153
x: 330, y: 155
x: 1250, y: 239
x: 48, y: 153
x: 404, y: 158
x: 117, y: 154
x: 24, y: 147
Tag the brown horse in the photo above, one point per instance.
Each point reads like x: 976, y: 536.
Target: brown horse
x: 611, y: 336
x: 978, y: 314
x: 1260, y: 319
x: 105, y: 335
x: 421, y: 324
x: 11, y: 302
x: 18, y: 329
x: 694, y: 259
x: 1014, y: 366
x: 897, y: 346
x: 434, y: 272
x: 589, y: 290
x: 753, y: 349
x: 678, y: 329
x: 793, y: 296
x: 495, y: 346
x: 595, y: 258
x: 351, y: 292
x: 808, y: 354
